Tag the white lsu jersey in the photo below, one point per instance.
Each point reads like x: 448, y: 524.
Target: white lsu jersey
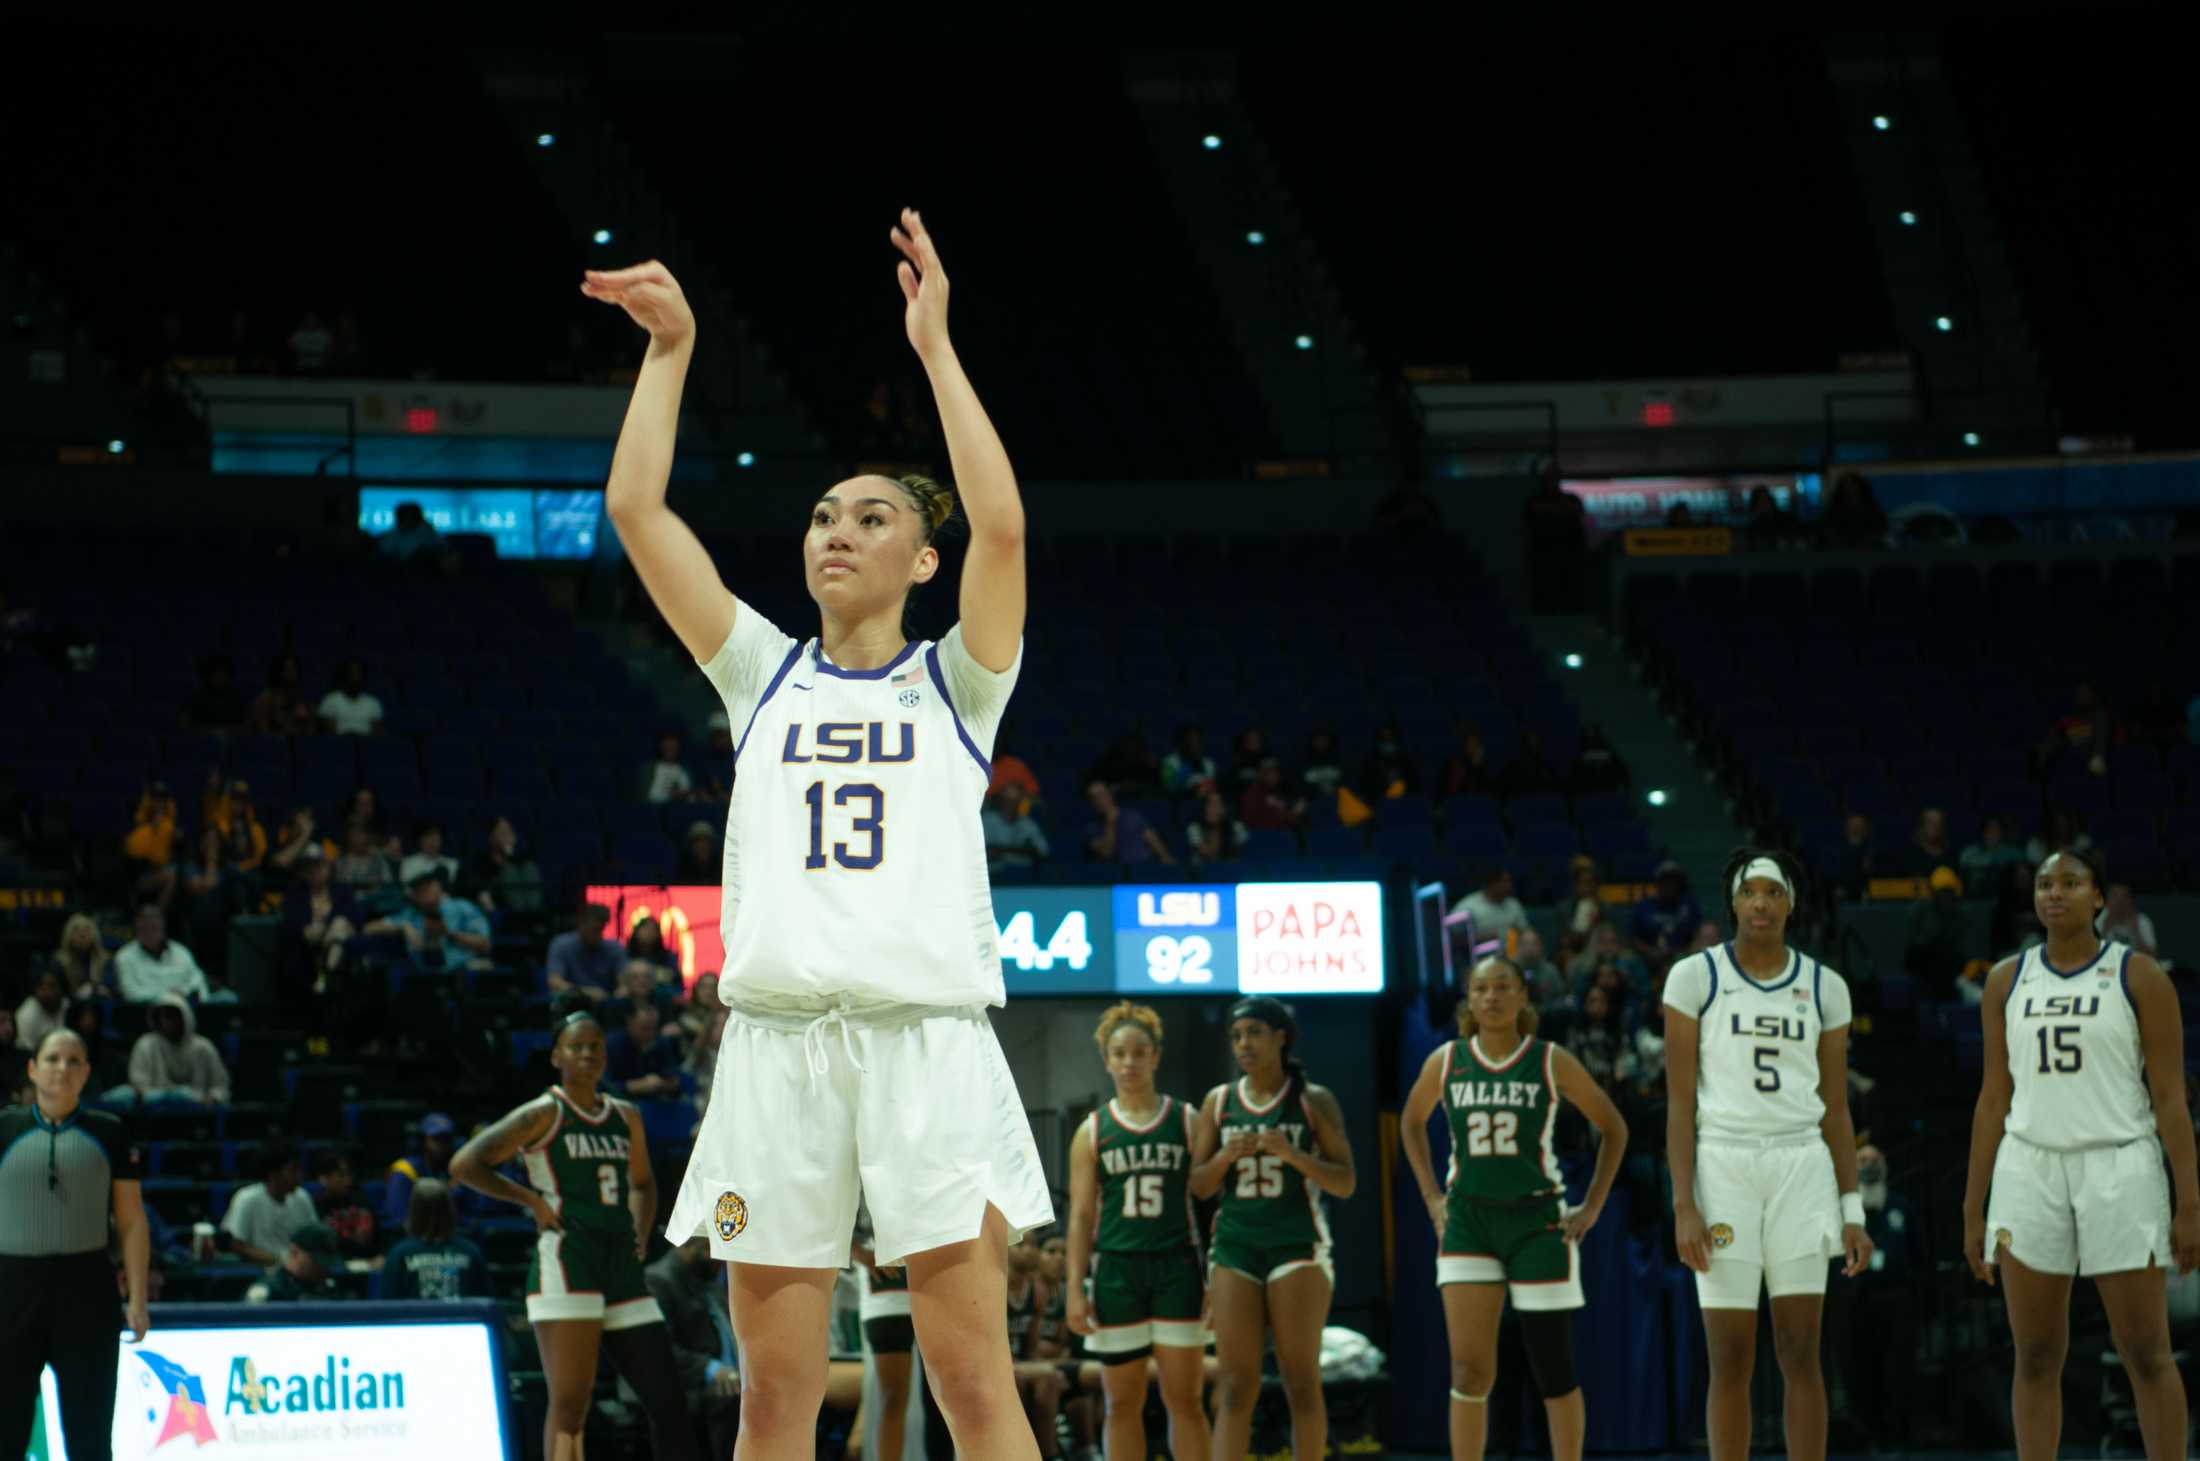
x: 1757, y: 1043
x: 2076, y: 1069
x: 855, y: 861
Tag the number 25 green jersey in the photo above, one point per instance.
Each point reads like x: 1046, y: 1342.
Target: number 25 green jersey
x: 1265, y: 1202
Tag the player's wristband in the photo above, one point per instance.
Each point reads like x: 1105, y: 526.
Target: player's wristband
x: 1852, y: 1209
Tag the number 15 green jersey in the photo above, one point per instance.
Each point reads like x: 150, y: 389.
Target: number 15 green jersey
x: 1145, y: 1204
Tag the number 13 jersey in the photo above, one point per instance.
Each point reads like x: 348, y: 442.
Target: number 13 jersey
x: 1757, y: 1043
x: 2075, y: 1065
x: 855, y: 861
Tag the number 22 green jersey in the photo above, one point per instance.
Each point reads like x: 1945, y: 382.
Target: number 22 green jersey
x: 1501, y: 1114
x: 581, y: 1166
x: 1145, y: 1204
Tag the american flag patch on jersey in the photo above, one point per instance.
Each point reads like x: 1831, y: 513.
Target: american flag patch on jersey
x: 914, y: 675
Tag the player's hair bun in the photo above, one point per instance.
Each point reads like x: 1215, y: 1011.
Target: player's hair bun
x: 1122, y: 1013
x: 937, y: 503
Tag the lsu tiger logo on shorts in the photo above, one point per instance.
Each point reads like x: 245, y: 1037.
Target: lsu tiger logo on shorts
x: 731, y: 1217
x: 1721, y: 1235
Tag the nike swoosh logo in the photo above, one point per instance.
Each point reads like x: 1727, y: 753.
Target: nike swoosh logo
x: 804, y: 688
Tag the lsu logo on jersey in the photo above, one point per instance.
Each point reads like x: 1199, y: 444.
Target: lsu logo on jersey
x: 2062, y: 1006
x: 1721, y: 1235
x: 1766, y: 1027
x: 849, y: 743
x: 731, y: 1216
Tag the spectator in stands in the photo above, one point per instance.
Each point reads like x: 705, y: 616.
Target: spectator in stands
x: 1598, y: 1039
x: 44, y: 1010
x: 244, y: 840
x: 216, y: 705
x: 364, y: 867
x: 437, y: 1133
x: 265, y: 1215
x: 1852, y: 517
x: 1984, y: 861
x: 428, y: 856
x: 431, y: 1261
x: 366, y: 807
x: 152, y: 964
x: 310, y: 344
x: 14, y: 1049
x: 210, y: 894
x: 1322, y: 772
x: 2085, y: 730
x: 299, y: 833
x: 1188, y: 770
x: 1012, y: 837
x: 699, y: 1007
x: 1929, y: 845
x: 318, y: 917
x: 1708, y: 935
x: 413, y: 539
x: 1554, y: 525
x: 1856, y: 862
x: 717, y: 782
x: 2155, y: 720
x: 2015, y: 923
x: 81, y: 959
x: 1246, y: 753
x: 1871, y: 1320
x: 1766, y: 525
x: 150, y: 843
x: 349, y: 710
x: 1936, y: 944
x: 701, y: 855
x: 1467, y: 770
x: 641, y: 984
x: 640, y: 1061
x: 583, y: 958
x: 1387, y: 771
x: 172, y: 1061
x: 1530, y: 772
x: 690, y: 1288
x: 1216, y: 836
x: 1120, y: 834
x: 1266, y: 803
x: 2064, y: 829
x: 1585, y: 904
x: 1009, y: 769
x: 2120, y: 920
x: 340, y: 1207
x: 310, y: 1263
x: 701, y: 1065
x: 645, y: 943
x: 1606, y: 947
x: 508, y: 880
x: 667, y: 778
x: 1494, y: 911
x: 1597, y: 765
x: 1664, y: 922
x: 282, y: 708
x: 1547, y: 988
x: 443, y: 934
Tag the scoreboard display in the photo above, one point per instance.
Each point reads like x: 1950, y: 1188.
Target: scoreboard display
x: 1136, y: 938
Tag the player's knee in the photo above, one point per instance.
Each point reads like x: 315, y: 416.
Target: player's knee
x: 1474, y: 1374
x: 2040, y: 1359
x: 1179, y: 1393
x: 1796, y: 1348
x: 1733, y: 1357
x: 1237, y: 1389
x: 1303, y: 1389
x: 568, y: 1413
x: 969, y: 1396
x: 2147, y: 1361
x: 775, y: 1397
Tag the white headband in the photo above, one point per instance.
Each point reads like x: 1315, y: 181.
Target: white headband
x: 1762, y: 867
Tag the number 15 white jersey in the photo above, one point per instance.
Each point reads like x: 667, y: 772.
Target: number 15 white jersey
x: 855, y: 861
x: 1757, y: 1043
x: 2076, y: 1069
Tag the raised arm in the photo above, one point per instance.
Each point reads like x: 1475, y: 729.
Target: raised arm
x: 679, y: 575
x: 2162, y: 1045
x: 992, y: 605
x: 1994, y: 1093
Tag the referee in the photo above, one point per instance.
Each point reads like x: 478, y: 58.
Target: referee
x: 63, y: 1169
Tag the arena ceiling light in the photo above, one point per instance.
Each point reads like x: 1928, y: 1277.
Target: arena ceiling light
x: 1255, y: 237
x: 1304, y: 342
x: 1909, y: 219
x: 1943, y: 324
x: 1657, y: 796
x: 1970, y: 438
x: 1573, y: 661
x: 1880, y: 123
x: 117, y: 447
x: 745, y: 459
x: 603, y: 235
x: 1211, y: 142
x: 545, y: 139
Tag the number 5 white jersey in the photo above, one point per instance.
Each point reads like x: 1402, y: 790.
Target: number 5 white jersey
x: 1757, y: 1044
x: 855, y: 861
x: 2076, y: 1070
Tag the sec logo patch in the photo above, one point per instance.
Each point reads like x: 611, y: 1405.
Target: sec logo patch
x: 1721, y: 1235
x: 731, y: 1217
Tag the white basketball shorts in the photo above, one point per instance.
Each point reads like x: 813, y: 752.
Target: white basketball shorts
x: 1774, y: 1211
x: 911, y: 1109
x: 2099, y: 1210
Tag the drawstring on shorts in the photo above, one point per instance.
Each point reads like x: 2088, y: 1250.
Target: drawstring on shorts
x: 816, y: 1047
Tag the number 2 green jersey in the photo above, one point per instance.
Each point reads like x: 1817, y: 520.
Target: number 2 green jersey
x: 1145, y: 1204
x: 1501, y: 1115
x: 1265, y: 1202
x: 581, y: 1166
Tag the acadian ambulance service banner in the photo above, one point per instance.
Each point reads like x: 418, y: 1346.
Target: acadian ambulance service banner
x: 319, y: 1390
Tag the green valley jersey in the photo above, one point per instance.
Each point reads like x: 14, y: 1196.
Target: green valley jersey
x: 1501, y: 1115
x: 1265, y: 1203
x: 1145, y: 1204
x: 581, y: 1166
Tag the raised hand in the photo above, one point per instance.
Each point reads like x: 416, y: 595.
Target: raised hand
x: 650, y: 296
x: 923, y: 286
